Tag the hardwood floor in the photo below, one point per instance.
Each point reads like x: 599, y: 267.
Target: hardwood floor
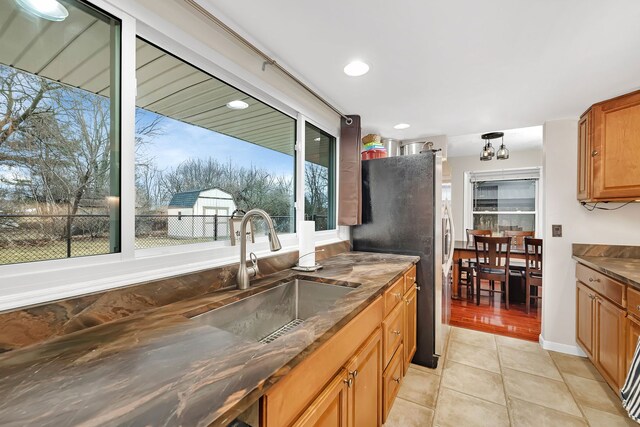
x: 492, y: 317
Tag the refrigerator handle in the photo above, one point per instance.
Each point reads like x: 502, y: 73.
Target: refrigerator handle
x: 447, y: 265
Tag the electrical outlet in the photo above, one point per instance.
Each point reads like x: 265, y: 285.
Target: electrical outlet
x: 556, y: 230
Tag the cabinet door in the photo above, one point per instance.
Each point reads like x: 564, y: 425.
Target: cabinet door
x: 585, y: 319
x: 584, y: 156
x: 365, y: 370
x: 392, y: 332
x: 616, y: 149
x: 410, y: 326
x: 610, y: 341
x: 391, y: 380
x: 330, y: 408
x: 633, y: 332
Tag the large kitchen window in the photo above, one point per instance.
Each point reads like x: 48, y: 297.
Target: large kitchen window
x: 504, y: 203
x: 319, y: 178
x: 205, y: 152
x: 59, y: 132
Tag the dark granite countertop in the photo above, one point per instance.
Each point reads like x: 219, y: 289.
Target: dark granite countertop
x: 625, y: 270
x: 159, y: 367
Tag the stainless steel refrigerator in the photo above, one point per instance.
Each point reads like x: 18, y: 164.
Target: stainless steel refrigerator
x: 402, y: 213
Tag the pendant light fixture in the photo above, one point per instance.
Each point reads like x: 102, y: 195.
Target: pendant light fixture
x: 488, y: 152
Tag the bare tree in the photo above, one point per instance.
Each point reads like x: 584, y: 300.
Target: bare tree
x: 65, y: 146
x: 250, y: 187
x: 316, y: 181
x: 22, y: 96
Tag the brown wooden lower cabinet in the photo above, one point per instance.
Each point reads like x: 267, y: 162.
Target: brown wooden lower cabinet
x: 392, y: 327
x: 354, y: 395
x: 410, y: 325
x: 585, y: 322
x: 610, y: 345
x: 633, y: 332
x: 392, y: 380
x: 603, y: 325
x: 365, y: 388
x: 284, y: 403
x: 353, y: 379
x: 330, y: 409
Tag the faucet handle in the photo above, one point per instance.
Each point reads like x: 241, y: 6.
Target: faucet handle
x: 254, y: 270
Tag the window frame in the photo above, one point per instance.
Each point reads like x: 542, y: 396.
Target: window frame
x: 44, y: 281
x: 331, y: 181
x: 194, y: 247
x: 502, y: 175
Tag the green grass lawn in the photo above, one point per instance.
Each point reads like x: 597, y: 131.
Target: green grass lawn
x: 82, y: 247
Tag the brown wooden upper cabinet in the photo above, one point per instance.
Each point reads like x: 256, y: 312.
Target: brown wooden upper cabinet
x: 609, y: 150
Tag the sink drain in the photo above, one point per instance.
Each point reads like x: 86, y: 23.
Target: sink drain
x: 281, y: 331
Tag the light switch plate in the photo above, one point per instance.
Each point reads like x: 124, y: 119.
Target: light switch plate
x: 556, y: 230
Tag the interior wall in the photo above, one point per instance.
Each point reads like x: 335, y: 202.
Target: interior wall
x: 460, y: 165
x: 578, y: 226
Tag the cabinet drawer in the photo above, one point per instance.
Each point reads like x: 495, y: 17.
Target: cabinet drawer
x: 605, y: 286
x: 393, y: 295
x: 409, y: 278
x: 633, y: 302
x: 391, y: 379
x: 392, y: 330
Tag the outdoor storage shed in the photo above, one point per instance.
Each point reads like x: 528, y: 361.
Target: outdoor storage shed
x: 200, y: 214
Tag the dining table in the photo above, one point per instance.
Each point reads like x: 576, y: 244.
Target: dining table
x: 463, y: 249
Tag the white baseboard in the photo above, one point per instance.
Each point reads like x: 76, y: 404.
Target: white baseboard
x: 561, y: 348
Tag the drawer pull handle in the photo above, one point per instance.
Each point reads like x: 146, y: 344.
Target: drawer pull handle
x: 354, y: 373
x: 397, y: 380
x: 638, y: 307
x: 396, y: 332
x: 592, y: 296
x: 397, y: 295
x: 591, y: 279
x: 417, y: 287
x: 348, y: 382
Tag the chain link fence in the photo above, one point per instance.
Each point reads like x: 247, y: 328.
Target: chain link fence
x: 170, y: 230
x: 26, y: 238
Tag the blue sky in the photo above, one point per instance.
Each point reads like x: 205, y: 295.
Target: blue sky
x: 180, y: 141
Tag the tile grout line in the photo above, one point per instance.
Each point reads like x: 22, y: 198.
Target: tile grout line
x: 446, y: 352
x: 482, y: 369
x: 564, y: 380
x: 440, y: 387
x: 504, y: 386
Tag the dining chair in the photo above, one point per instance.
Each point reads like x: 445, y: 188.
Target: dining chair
x: 465, y: 267
x: 518, y: 236
x: 533, y: 269
x: 492, y: 264
x: 472, y: 233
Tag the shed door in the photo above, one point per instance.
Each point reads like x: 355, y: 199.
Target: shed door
x: 209, y: 221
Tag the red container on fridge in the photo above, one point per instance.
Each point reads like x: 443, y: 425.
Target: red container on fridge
x: 374, y: 154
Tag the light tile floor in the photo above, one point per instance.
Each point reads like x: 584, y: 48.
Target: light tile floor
x: 491, y: 380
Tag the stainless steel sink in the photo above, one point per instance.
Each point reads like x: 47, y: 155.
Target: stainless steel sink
x: 270, y: 314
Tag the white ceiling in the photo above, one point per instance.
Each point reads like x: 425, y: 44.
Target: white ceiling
x: 451, y: 67
x: 522, y: 139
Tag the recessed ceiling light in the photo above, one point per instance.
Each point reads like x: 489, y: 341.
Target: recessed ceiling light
x: 356, y: 69
x: 316, y: 139
x: 50, y: 10
x: 401, y: 126
x: 237, y: 105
